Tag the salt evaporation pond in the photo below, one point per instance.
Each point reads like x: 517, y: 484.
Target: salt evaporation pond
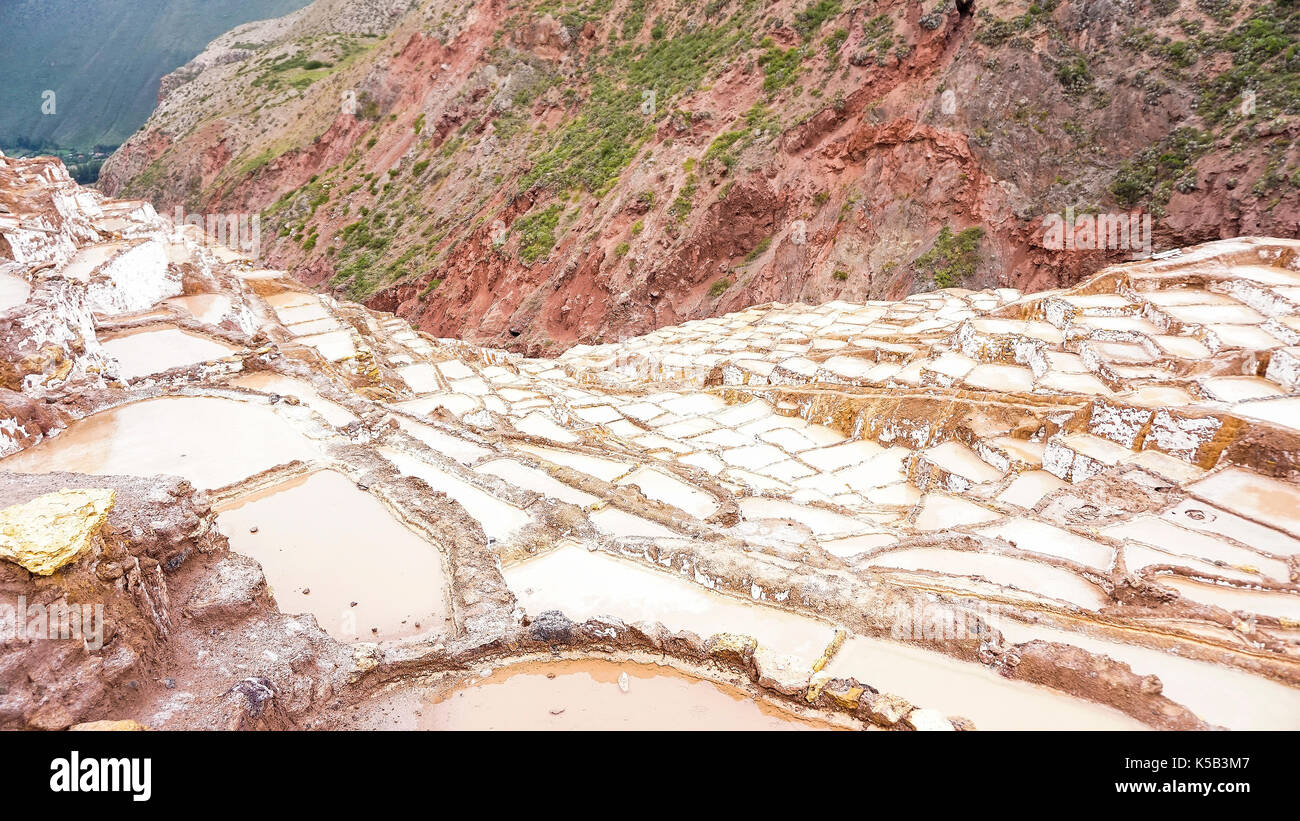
x: 333, y: 550
x: 586, y: 695
x: 157, y: 349
x: 212, y: 442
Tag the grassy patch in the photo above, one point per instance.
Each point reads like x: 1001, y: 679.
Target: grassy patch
x: 430, y: 288
x: 634, y: 18
x: 720, y: 148
x: 594, y: 147
x: 808, y: 21
x: 758, y: 250
x: 780, y: 67
x: 302, y: 70
x: 1265, y: 52
x: 992, y: 31
x: 685, y: 199
x: 1074, y: 75
x: 1152, y: 175
x: 953, y: 257
x: 537, y: 233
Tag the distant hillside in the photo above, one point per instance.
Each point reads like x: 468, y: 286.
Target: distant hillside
x: 103, y: 60
x: 533, y: 174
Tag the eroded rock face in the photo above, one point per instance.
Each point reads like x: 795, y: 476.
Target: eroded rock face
x: 236, y: 588
x: 93, y: 612
x: 117, y: 626
x: 1079, y: 504
x: 26, y: 421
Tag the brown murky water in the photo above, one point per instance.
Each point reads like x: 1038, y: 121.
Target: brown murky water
x: 209, y: 308
x: 586, y: 695
x: 333, y: 550
x: 212, y: 442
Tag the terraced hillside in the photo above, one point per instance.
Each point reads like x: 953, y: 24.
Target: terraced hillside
x: 967, y: 509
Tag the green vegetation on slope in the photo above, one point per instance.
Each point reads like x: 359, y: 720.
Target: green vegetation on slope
x: 1151, y: 176
x: 953, y: 257
x: 537, y: 233
x: 623, y: 90
x: 1265, y: 51
x: 302, y: 69
x: 630, y: 91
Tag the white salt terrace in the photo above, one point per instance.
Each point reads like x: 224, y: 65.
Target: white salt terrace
x: 972, y: 691
x: 584, y: 585
x: 963, y: 448
x: 498, y: 519
x: 270, y: 382
x: 1002, y: 570
x: 90, y: 258
x: 13, y: 291
x: 536, y: 480
x: 657, y: 485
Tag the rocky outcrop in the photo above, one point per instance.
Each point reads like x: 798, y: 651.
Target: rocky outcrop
x: 49, y: 342
x: 117, y: 625
x: 24, y: 421
x: 52, y: 530
x: 86, y: 609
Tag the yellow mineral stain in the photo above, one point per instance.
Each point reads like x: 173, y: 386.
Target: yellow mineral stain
x: 52, y: 530
x: 125, y: 725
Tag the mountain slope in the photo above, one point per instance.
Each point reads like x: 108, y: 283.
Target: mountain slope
x: 534, y: 174
x: 103, y: 60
